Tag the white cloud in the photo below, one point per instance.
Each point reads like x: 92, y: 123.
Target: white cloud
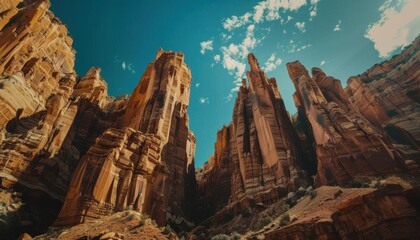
x: 398, y: 27
x: 236, y: 22
x: 268, y: 10
x: 225, y: 36
x: 234, y: 55
x: 272, y: 63
x: 197, y: 85
x: 206, y: 46
x: 337, y: 26
x: 322, y: 62
x: 125, y: 65
x: 229, y: 97
x: 314, y: 2
x: 301, y: 26
x: 204, y: 100
x: 217, y: 58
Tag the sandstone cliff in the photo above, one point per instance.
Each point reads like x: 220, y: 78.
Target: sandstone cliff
x: 257, y: 158
x: 146, y: 161
x: 60, y: 134
x: 388, y: 96
x: 346, y: 144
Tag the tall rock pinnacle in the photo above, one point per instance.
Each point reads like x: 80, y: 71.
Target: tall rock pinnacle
x: 346, y: 144
x: 146, y: 162
x: 257, y: 154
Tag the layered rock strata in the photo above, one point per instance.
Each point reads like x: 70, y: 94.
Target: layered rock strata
x: 136, y: 151
x: 388, y: 93
x: 146, y: 162
x: 257, y: 156
x: 346, y: 144
x: 350, y: 214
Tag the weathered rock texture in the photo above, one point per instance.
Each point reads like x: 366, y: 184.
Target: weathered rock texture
x: 349, y: 214
x: 346, y: 144
x: 146, y: 162
x: 388, y: 95
x: 257, y: 156
x: 64, y: 136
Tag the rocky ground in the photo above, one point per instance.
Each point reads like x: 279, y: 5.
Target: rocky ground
x: 123, y: 225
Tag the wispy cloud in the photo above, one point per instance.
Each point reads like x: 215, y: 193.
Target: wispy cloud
x: 247, y: 31
x: 234, y: 55
x: 398, y: 27
x: 268, y: 10
x: 204, y: 100
x: 322, y: 63
x: 235, y: 22
x: 293, y: 47
x: 301, y: 26
x: 217, y: 58
x: 197, y: 85
x: 125, y: 65
x: 313, y: 9
x: 337, y: 26
x: 206, y: 46
x: 272, y: 63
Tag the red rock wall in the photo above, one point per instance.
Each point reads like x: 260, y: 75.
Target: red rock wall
x: 55, y: 125
x: 147, y: 162
x: 346, y: 144
x: 257, y: 155
x: 388, y: 96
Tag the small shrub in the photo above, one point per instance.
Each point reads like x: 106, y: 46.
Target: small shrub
x: 358, y: 183
x: 266, y: 220
x: 167, y: 230
x: 285, y: 219
x: 220, y: 237
x: 285, y: 208
x: 291, y: 202
x: 312, y: 193
x: 235, y: 236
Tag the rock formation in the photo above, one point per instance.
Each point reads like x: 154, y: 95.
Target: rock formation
x: 62, y: 138
x: 346, y: 144
x: 388, y: 96
x: 136, y: 151
x: 145, y: 162
x: 256, y: 157
x: 349, y: 214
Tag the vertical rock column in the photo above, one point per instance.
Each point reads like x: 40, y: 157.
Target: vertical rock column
x: 146, y: 161
x: 258, y: 152
x: 346, y: 144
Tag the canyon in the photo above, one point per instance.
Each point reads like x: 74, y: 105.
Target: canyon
x: 345, y: 166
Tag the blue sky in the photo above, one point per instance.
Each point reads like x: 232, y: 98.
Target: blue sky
x: 343, y: 37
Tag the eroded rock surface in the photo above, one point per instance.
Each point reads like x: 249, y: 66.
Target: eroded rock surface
x: 62, y: 135
x: 257, y: 158
x: 146, y: 162
x: 388, y: 96
x: 346, y: 144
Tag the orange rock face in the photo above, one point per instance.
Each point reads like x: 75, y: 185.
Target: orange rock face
x: 65, y: 136
x: 346, y: 144
x: 146, y: 163
x: 388, y: 96
x: 256, y: 156
x: 350, y: 214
